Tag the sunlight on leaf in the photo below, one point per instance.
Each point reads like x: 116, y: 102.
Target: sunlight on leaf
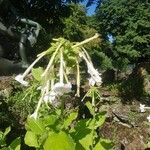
x: 35, y: 126
x: 72, y: 116
x: 15, y: 145
x: 37, y: 72
x: 31, y: 139
x: 59, y: 141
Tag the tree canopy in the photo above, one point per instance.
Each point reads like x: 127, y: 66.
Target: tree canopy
x: 128, y: 24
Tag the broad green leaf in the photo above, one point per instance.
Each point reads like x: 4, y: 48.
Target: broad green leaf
x: 82, y: 135
x: 15, y: 145
x: 72, y: 116
x: 37, y: 72
x: 49, y: 120
x: 59, y: 141
x: 98, y: 146
x: 35, y: 126
x: 3, y: 136
x: 89, y: 106
x: 85, y: 142
x: 103, y: 144
x: 31, y: 139
x: 7, y: 130
x: 100, y: 119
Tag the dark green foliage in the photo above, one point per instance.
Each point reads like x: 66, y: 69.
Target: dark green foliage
x: 22, y: 104
x: 74, y: 24
x: 138, y: 83
x: 128, y: 23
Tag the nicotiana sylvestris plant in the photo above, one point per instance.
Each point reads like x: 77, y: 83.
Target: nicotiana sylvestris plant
x: 64, y: 59
x: 58, y: 129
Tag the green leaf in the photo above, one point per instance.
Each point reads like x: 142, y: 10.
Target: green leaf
x: 15, y: 145
x: 49, y: 120
x: 90, y: 107
x: 37, y: 72
x: 35, y: 126
x: 31, y: 139
x: 3, y: 136
x: 82, y: 135
x: 103, y: 144
x: 70, y: 118
x: 7, y: 130
x: 100, y: 119
x: 59, y: 141
x: 85, y: 142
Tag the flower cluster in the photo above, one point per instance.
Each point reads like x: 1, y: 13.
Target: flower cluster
x: 95, y: 75
x: 53, y: 86
x: 143, y: 108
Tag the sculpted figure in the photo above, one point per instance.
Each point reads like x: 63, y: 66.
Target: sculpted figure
x: 18, y: 29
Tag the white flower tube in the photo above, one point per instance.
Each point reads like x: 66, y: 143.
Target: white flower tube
x: 34, y: 115
x: 50, y: 97
x: 92, y: 82
x: 61, y: 88
x: 142, y: 108
x: 21, y: 80
x: 95, y: 75
x: 148, y: 118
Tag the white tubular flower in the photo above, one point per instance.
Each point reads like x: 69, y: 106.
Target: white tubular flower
x: 21, y: 80
x: 50, y: 97
x: 61, y: 88
x: 34, y: 115
x: 148, y: 118
x: 95, y: 75
x: 67, y: 87
x: 91, y: 81
x: 142, y: 108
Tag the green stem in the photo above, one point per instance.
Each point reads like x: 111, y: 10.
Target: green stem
x: 86, y: 41
x: 61, y: 69
x: 31, y: 66
x: 51, y: 60
x: 78, y: 79
x: 40, y: 101
x: 94, y: 120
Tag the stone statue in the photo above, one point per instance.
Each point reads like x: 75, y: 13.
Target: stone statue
x: 18, y: 29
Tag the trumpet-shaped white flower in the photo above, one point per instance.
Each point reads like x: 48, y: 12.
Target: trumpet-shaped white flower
x: 148, y: 118
x: 91, y: 81
x: 21, y: 80
x: 142, y: 108
x: 34, y: 115
x: 95, y: 75
x: 61, y: 88
x: 50, y: 97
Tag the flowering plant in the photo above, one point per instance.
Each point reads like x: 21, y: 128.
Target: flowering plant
x: 54, y: 80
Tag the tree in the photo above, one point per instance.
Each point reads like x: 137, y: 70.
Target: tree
x: 128, y: 23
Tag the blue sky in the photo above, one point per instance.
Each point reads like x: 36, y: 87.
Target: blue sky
x: 90, y: 9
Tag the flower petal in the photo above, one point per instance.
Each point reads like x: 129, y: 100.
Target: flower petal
x: 19, y: 78
x: 148, y: 118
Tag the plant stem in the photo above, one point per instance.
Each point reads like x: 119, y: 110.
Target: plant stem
x: 61, y: 72
x: 31, y: 66
x: 40, y: 101
x: 78, y: 79
x: 86, y: 41
x: 93, y: 104
x: 51, y: 60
